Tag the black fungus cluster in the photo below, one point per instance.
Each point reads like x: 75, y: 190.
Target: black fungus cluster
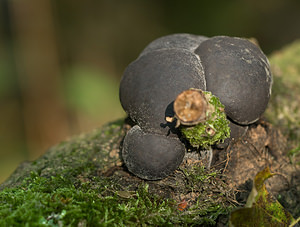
x: 233, y: 69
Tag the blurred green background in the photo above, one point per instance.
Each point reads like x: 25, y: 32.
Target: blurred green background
x: 61, y: 61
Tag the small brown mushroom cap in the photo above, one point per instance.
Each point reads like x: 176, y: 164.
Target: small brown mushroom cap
x: 190, y: 107
x: 151, y: 156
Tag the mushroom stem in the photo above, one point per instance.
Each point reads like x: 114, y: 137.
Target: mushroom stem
x: 208, y: 155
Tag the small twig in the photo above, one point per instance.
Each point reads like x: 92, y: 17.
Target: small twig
x: 227, y: 157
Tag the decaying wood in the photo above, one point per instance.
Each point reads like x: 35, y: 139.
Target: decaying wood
x: 237, y: 164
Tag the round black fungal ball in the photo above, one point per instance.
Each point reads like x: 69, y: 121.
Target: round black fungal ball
x: 238, y: 73
x: 151, y: 156
x: 237, y: 131
x: 151, y: 83
x: 180, y: 41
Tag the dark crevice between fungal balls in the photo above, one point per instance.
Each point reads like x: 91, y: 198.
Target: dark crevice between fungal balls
x: 178, y: 41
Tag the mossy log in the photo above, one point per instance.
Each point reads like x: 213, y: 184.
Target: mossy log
x: 91, y: 164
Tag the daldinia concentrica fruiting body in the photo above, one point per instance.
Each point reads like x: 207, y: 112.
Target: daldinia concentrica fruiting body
x: 151, y: 83
x: 238, y: 73
x: 151, y: 156
x: 175, y: 41
x: 234, y: 70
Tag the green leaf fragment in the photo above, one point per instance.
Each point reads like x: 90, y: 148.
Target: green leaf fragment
x: 261, y: 209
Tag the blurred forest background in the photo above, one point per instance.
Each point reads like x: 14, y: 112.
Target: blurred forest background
x: 61, y: 61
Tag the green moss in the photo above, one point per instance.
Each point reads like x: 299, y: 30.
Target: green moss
x: 211, y: 192
x: 197, y: 175
x: 283, y: 110
x: 58, y: 201
x: 70, y: 185
x: 294, y: 152
x: 214, y: 130
x: 80, y: 155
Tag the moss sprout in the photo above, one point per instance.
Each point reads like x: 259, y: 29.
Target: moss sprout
x: 211, y: 131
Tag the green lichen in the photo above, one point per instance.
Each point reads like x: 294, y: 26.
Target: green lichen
x: 213, y: 130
